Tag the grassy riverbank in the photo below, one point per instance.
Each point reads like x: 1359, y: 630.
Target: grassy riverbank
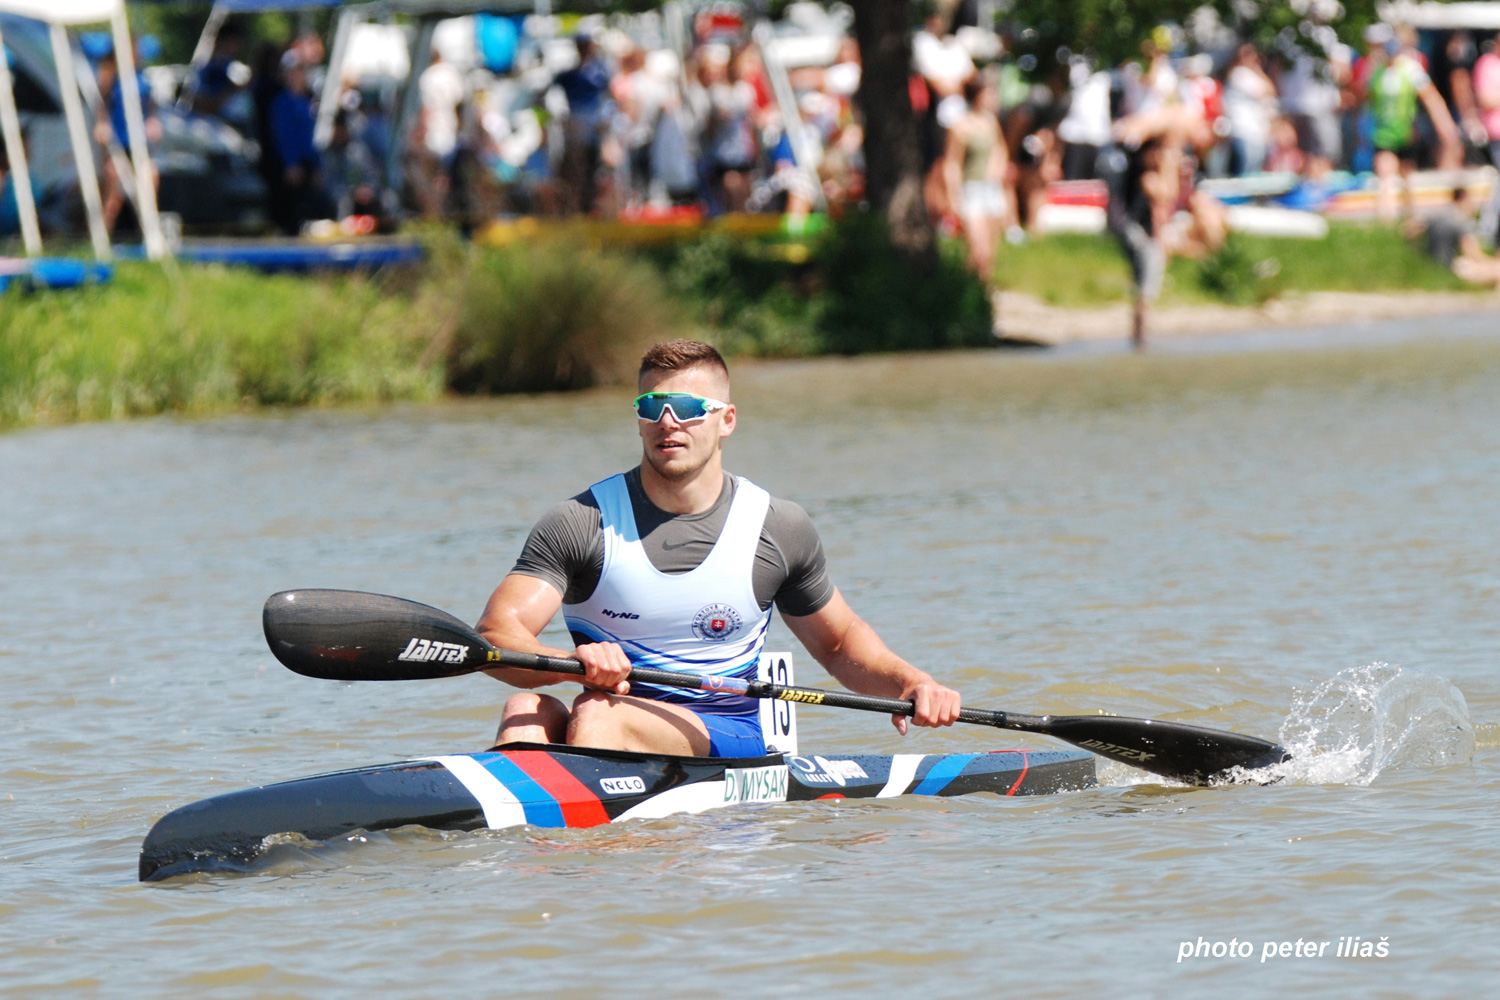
x: 541, y: 316
x: 1080, y: 272
x: 206, y: 341
x: 560, y: 314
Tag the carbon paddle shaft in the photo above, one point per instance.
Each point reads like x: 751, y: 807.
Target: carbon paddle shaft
x: 747, y: 688
x: 352, y: 636
x: 1173, y: 749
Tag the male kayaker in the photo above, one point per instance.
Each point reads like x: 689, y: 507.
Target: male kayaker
x: 676, y: 565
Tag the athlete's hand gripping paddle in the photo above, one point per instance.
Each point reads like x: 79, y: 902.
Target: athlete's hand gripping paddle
x: 348, y: 635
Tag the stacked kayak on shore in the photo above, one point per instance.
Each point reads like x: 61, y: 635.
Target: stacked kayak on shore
x: 34, y: 273
x: 552, y: 786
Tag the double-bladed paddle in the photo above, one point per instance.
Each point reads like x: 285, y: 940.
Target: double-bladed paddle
x: 346, y: 635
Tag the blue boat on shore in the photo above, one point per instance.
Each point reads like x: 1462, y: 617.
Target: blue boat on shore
x: 293, y: 255
x: 33, y: 273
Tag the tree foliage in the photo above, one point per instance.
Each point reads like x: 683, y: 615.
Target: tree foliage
x: 1049, y: 32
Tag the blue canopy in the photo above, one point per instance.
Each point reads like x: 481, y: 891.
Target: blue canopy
x: 255, y: 6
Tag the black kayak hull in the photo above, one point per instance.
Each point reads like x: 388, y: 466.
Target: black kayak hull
x: 551, y: 786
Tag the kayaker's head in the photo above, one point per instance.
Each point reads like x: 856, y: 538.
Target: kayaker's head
x: 684, y: 411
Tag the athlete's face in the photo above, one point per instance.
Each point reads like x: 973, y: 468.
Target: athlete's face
x: 678, y: 450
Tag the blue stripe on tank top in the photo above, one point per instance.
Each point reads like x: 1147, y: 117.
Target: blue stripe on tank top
x: 699, y: 700
x: 942, y: 773
x: 708, y: 702
x: 646, y: 652
x: 644, y: 655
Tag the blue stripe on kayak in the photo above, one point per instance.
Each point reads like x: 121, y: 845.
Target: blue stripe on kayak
x: 540, y: 805
x: 943, y: 772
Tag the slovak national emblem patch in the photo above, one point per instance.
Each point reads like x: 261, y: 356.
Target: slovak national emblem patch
x: 716, y: 622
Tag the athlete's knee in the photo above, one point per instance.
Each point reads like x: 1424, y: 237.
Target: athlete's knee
x: 592, y: 707
x: 532, y: 717
x: 592, y: 718
x: 532, y: 703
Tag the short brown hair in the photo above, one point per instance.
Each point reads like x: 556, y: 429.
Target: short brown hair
x: 680, y: 355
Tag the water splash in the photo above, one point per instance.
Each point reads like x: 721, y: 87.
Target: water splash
x: 1113, y: 774
x: 1365, y: 720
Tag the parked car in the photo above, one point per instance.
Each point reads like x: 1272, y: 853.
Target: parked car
x: 207, y: 169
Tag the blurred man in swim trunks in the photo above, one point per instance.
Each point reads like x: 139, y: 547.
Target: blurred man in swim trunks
x: 676, y: 565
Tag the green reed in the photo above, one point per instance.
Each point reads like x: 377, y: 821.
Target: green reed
x: 552, y: 315
x: 205, y: 340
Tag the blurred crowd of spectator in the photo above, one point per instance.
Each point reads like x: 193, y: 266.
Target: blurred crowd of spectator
x: 622, y: 129
x: 1393, y: 108
x: 1154, y: 126
x: 596, y: 125
x: 274, y: 100
x: 604, y: 123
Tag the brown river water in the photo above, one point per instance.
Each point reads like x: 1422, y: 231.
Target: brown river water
x: 1300, y: 544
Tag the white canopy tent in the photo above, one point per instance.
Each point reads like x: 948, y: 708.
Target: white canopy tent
x: 427, y: 14
x: 59, y: 16
x: 1480, y: 15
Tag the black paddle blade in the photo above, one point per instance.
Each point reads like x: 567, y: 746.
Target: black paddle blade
x: 1172, y: 749
x: 345, y: 635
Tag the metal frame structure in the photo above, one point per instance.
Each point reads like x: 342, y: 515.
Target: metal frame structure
x: 204, y: 50
x: 427, y: 14
x: 59, y: 16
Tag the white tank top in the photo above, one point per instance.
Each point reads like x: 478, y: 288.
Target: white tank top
x: 704, y: 621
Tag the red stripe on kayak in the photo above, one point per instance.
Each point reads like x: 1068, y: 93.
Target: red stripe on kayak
x: 1025, y: 766
x: 830, y: 795
x: 579, y: 805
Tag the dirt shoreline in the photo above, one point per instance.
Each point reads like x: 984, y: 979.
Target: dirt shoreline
x: 1023, y: 318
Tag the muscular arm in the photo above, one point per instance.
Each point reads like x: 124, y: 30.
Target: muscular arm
x: 849, y: 649
x: 517, y: 612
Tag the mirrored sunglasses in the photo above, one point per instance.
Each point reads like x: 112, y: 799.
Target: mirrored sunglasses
x: 684, y: 406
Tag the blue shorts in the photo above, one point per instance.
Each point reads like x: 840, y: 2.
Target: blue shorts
x: 734, y: 735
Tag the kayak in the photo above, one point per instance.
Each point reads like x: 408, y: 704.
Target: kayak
x: 545, y: 785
